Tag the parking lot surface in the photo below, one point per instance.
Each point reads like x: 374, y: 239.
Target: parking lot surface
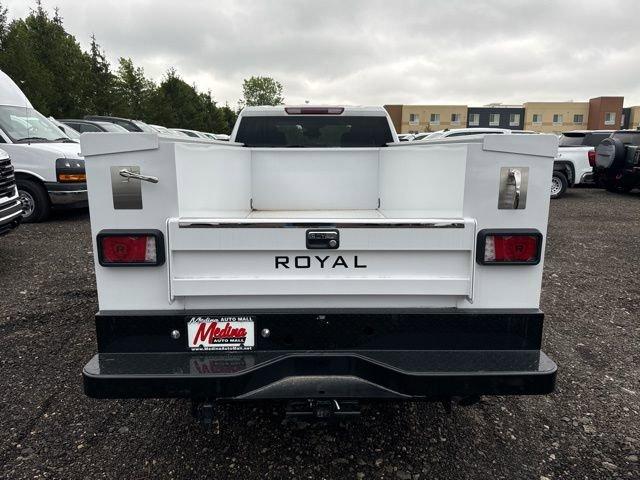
x: 588, y: 429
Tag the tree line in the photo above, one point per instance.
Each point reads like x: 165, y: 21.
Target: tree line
x: 63, y: 81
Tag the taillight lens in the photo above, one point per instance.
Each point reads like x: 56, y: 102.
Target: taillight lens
x: 130, y: 248
x: 509, y: 247
x: 592, y: 158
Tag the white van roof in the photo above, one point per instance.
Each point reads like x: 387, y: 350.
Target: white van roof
x: 10, y: 93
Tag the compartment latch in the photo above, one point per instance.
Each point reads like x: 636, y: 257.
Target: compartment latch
x: 323, y: 239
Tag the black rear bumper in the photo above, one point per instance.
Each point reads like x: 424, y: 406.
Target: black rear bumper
x: 422, y: 354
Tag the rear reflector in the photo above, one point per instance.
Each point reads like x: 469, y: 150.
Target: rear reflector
x: 130, y: 248
x: 592, y: 158
x: 314, y: 110
x: 509, y: 247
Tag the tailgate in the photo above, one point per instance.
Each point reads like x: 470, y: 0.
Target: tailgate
x: 243, y: 257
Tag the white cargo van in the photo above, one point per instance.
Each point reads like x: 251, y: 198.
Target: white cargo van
x: 48, y: 167
x: 316, y: 259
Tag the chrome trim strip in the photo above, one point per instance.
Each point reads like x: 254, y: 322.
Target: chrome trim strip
x: 321, y: 223
x: 11, y: 216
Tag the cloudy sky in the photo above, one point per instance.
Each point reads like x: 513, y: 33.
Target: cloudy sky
x: 375, y: 52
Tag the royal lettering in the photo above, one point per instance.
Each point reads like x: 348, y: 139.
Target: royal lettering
x: 306, y: 261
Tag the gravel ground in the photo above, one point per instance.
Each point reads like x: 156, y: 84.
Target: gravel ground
x: 588, y: 429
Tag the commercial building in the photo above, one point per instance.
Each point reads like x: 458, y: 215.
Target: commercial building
x: 428, y: 118
x: 556, y: 117
x: 496, y: 116
x: 548, y: 117
x: 631, y: 117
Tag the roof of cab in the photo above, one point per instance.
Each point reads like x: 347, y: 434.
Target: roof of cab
x: 358, y: 110
x: 10, y: 93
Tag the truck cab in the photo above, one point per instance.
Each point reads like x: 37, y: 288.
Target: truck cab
x: 49, y: 170
x: 314, y: 259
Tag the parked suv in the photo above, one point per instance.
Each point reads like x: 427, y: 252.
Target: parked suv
x: 572, y: 165
x: 617, y: 161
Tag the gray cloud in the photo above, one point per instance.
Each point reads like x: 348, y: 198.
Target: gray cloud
x: 375, y: 52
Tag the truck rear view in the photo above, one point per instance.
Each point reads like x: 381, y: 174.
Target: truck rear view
x: 317, y: 260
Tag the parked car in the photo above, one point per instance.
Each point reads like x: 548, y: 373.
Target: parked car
x: 463, y: 132
x: 10, y: 205
x: 406, y: 137
x: 66, y: 129
x: 315, y: 259
x: 49, y: 170
x: 93, y: 126
x: 192, y: 133
x: 617, y: 161
x: 162, y: 130
x: 127, y: 124
x: 572, y: 165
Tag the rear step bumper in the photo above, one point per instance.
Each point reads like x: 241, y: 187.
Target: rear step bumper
x: 377, y: 374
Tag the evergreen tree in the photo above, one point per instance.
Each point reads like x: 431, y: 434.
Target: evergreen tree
x: 102, y: 82
x: 132, y: 91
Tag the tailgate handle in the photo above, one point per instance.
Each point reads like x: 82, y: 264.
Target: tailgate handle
x: 128, y: 174
x: 323, y: 239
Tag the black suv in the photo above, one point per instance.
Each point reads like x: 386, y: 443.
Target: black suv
x: 617, y: 162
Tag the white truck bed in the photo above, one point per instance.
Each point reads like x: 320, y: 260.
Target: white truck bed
x: 381, y: 199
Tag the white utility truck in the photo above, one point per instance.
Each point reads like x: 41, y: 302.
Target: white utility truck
x: 315, y: 259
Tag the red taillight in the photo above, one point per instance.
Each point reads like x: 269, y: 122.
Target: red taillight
x: 314, y: 110
x: 592, y: 158
x: 509, y: 247
x: 118, y: 248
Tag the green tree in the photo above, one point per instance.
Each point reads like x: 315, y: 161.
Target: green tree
x: 262, y: 91
x: 4, y: 24
x: 102, y: 82
x: 132, y: 91
x: 175, y: 103
x: 47, y: 63
x: 229, y: 116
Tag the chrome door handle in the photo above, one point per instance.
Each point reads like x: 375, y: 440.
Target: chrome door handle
x: 515, y: 179
x: 128, y: 174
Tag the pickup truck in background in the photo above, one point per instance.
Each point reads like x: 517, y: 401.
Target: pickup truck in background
x: 574, y: 163
x: 10, y: 205
x: 314, y: 259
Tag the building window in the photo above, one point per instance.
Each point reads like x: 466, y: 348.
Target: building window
x: 610, y: 118
x: 578, y: 119
x: 537, y: 119
x: 435, y: 119
x: 414, y: 119
x: 514, y: 120
x: 557, y: 119
x: 474, y: 119
x: 455, y: 119
x: 494, y: 119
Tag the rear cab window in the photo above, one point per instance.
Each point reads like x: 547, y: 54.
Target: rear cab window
x: 314, y: 131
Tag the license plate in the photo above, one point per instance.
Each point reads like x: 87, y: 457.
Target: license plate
x: 221, y: 333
